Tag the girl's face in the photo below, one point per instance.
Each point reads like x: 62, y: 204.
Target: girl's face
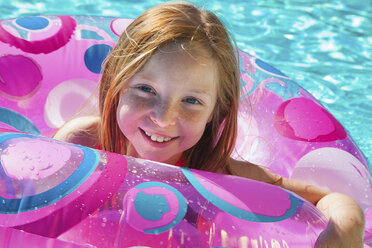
x: 166, y: 106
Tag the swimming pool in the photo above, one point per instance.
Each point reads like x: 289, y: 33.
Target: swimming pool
x: 325, y: 47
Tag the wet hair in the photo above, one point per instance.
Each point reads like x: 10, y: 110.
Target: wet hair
x: 184, y: 24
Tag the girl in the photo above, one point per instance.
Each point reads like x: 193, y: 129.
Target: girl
x: 169, y: 93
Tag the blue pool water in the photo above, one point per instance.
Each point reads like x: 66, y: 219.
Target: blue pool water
x: 326, y: 46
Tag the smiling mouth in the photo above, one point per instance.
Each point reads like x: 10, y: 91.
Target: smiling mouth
x: 155, y: 138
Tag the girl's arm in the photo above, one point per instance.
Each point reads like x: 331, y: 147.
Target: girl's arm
x: 81, y: 130
x: 346, y: 219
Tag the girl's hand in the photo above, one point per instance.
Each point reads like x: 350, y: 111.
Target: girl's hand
x: 346, y: 222
x: 333, y: 238
x: 345, y: 218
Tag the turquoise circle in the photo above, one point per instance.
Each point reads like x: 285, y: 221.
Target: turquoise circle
x: 151, y: 210
x: 33, y: 22
x: 95, y: 55
x: 158, y: 203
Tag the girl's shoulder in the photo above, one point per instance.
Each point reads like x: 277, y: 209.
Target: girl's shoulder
x: 252, y: 171
x: 82, y: 130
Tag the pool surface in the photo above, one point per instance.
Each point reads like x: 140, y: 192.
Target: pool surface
x: 325, y: 47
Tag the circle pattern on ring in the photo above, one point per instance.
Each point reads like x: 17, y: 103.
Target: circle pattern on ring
x: 95, y: 55
x: 38, y: 34
x: 28, y: 203
x: 154, y: 207
x: 33, y: 22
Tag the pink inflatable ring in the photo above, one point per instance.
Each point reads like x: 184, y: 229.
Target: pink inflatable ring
x: 55, y: 194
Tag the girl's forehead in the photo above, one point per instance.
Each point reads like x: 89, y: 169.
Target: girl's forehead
x: 175, y: 64
x: 180, y: 60
x: 195, y: 51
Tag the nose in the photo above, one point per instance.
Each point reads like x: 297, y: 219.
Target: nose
x: 164, y: 114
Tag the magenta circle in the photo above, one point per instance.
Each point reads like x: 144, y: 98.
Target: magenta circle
x: 46, y: 45
x: 303, y: 119
x: 20, y: 76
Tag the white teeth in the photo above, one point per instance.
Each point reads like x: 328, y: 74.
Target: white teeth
x: 156, y: 138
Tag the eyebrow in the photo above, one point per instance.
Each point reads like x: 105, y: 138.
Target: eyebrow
x: 143, y: 76
x: 201, y: 91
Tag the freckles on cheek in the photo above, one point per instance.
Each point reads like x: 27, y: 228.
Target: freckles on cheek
x: 193, y: 116
x: 136, y: 103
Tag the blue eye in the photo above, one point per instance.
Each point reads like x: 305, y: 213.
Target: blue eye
x: 145, y: 88
x: 192, y: 100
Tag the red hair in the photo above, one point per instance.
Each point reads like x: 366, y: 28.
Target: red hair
x: 189, y: 26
